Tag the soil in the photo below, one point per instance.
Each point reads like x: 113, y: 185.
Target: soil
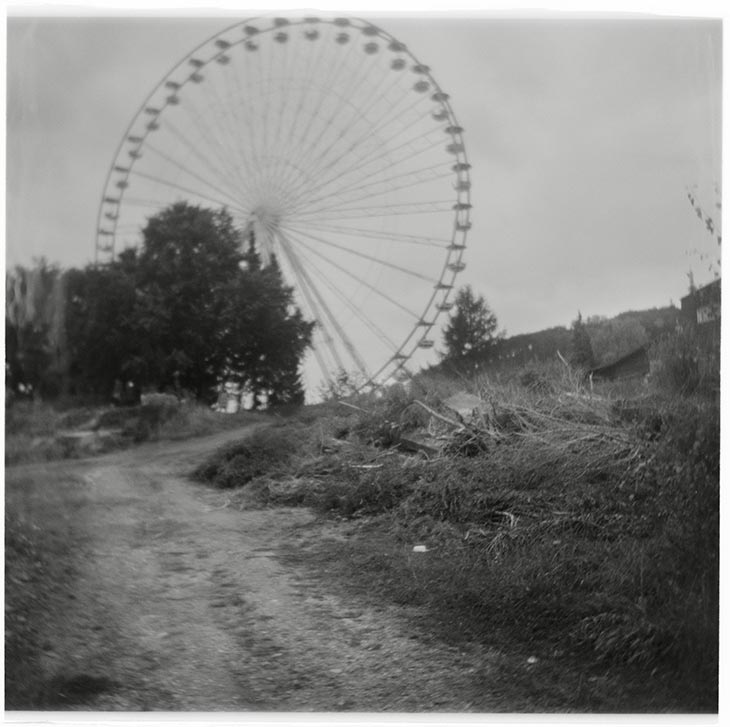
x: 161, y: 597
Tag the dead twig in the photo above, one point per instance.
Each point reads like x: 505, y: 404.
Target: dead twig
x: 436, y: 414
x: 353, y: 406
x: 512, y: 518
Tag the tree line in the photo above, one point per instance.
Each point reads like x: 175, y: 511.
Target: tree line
x: 188, y: 308
x: 193, y: 306
x: 473, y: 342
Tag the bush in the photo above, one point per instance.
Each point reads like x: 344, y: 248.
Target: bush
x: 682, y: 364
x: 584, y: 525
x: 369, y: 489
x: 145, y: 421
x: 269, y: 451
x: 536, y: 381
x: 31, y: 418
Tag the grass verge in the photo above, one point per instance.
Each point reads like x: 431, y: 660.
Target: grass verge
x: 581, y: 529
x: 37, y: 432
x: 41, y: 549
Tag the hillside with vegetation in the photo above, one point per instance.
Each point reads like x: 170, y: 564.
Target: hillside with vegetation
x: 191, y: 307
x: 611, y: 338
x: 514, y: 502
x: 579, y: 529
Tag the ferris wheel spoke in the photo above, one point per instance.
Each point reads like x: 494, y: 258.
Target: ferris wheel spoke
x: 227, y: 139
x: 140, y: 202
x: 283, y: 130
x: 224, y: 194
x: 321, y: 314
x: 383, y: 159
x: 352, y: 116
x: 337, y: 148
x: 348, y: 182
x: 406, y: 151
x: 358, y: 279
x: 317, y: 333
x: 394, y: 115
x: 372, y: 258
x: 168, y: 183
x: 312, y: 71
x: 220, y: 169
x: 248, y: 64
x: 338, y: 328
x: 328, y: 146
x: 267, y: 113
x: 195, y: 108
x: 249, y: 127
x: 223, y: 101
x: 320, y: 333
x: 239, y: 163
x: 347, y: 302
x: 422, y: 240
x: 318, y: 139
x: 368, y: 211
x: 408, y: 109
x: 347, y: 196
x: 406, y: 179
x: 226, y: 169
x: 220, y: 104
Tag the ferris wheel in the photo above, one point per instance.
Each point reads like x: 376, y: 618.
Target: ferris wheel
x: 338, y: 150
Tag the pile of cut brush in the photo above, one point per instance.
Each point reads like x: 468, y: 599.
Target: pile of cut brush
x: 567, y: 439
x: 573, y: 524
x: 387, y: 451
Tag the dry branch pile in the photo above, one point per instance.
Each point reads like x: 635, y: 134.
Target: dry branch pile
x: 578, y: 435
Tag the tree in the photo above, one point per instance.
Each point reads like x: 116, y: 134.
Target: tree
x: 36, y: 356
x: 101, y: 328
x: 268, y: 334
x: 188, y: 310
x: 472, y: 329
x: 188, y: 261
x: 612, y: 339
x: 581, y: 351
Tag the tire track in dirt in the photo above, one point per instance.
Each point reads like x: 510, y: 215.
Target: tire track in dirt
x: 181, y: 604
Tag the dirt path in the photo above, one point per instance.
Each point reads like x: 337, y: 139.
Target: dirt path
x: 180, y: 603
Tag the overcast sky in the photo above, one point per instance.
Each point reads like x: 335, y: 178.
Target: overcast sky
x: 583, y: 135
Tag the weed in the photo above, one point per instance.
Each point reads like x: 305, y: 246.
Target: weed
x: 38, y: 432
x: 267, y: 451
x: 31, y: 418
x: 684, y: 364
x: 555, y: 519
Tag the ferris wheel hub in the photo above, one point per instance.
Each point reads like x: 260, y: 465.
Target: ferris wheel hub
x: 266, y: 224
x: 268, y: 216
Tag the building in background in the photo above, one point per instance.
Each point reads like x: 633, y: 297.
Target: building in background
x: 701, y: 311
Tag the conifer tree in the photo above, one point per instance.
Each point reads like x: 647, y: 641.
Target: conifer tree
x: 472, y: 328
x: 581, y: 351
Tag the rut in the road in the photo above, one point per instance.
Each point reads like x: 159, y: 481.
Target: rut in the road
x: 181, y: 604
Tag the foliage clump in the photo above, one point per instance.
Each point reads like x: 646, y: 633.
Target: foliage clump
x: 270, y: 451
x: 579, y: 525
x: 685, y: 365
x: 471, y: 331
x: 187, y: 309
x: 581, y: 351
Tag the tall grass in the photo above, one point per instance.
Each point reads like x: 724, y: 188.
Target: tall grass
x: 686, y: 364
x: 38, y: 431
x: 566, y: 520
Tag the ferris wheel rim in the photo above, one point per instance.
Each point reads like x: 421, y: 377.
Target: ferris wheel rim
x: 438, y: 300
